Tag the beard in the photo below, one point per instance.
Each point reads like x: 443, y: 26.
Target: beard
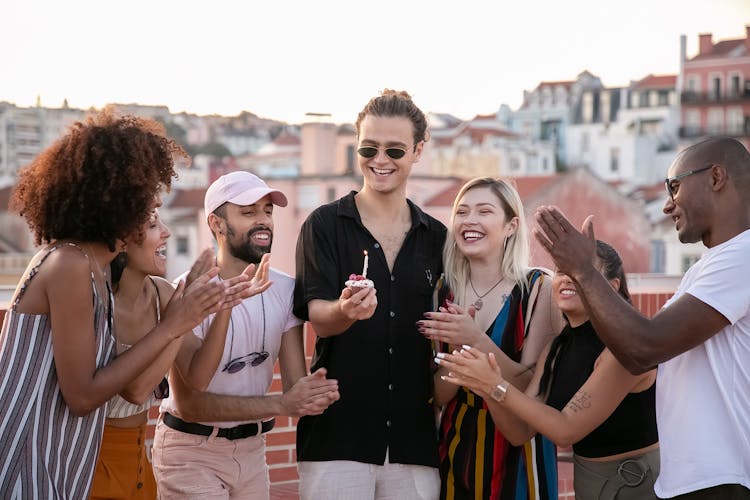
x: 246, y: 250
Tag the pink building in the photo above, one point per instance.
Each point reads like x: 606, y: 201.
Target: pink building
x: 716, y: 88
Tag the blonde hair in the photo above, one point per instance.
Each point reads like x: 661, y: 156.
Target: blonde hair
x: 516, y: 255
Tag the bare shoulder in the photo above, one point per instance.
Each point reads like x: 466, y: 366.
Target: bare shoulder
x: 166, y: 289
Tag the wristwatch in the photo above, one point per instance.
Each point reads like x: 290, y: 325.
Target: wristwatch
x: 499, y: 391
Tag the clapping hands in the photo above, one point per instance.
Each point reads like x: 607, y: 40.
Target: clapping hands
x: 453, y: 325
x: 471, y: 368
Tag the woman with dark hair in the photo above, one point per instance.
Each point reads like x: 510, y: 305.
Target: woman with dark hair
x: 82, y: 197
x: 142, y: 294
x: 583, y: 397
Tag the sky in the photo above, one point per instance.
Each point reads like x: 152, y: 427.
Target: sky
x: 283, y: 59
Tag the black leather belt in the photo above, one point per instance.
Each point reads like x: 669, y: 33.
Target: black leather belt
x: 231, y: 433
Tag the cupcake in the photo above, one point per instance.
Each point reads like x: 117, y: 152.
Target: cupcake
x: 359, y: 281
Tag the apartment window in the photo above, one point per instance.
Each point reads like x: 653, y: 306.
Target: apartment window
x: 658, y: 253
x: 735, y: 121
x: 734, y: 86
x: 331, y: 193
x: 642, y: 99
x: 614, y: 160
x: 515, y: 165
x: 308, y: 196
x: 182, y: 243
x: 545, y: 164
x: 693, y: 119
x: 663, y: 98
x: 715, y: 92
x: 350, y: 163
x: 715, y: 121
x: 693, y: 84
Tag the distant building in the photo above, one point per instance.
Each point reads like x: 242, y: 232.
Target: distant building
x: 25, y: 132
x: 715, y: 89
x: 547, y: 111
x: 626, y: 134
x: 483, y: 146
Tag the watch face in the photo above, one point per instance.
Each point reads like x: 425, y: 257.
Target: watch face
x: 497, y: 393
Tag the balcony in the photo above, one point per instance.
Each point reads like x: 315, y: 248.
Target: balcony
x: 690, y: 132
x: 712, y: 98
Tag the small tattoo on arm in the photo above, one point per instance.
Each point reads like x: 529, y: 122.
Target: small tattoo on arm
x: 580, y: 401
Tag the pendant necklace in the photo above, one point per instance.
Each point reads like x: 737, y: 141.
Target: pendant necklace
x: 479, y: 303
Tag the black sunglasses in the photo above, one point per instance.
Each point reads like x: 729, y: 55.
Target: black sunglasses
x: 671, y: 189
x: 393, y: 152
x: 162, y: 390
x: 255, y: 358
x: 238, y: 364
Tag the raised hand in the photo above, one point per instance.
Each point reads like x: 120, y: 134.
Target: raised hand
x: 190, y: 305
x: 573, y: 251
x: 471, y: 368
x: 241, y: 287
x: 453, y: 325
x: 358, y: 303
x: 311, y: 395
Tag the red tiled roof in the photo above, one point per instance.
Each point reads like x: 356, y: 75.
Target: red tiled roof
x: 720, y: 49
x: 657, y: 82
x: 526, y: 187
x: 188, y: 198
x: 478, y: 135
x: 485, y: 117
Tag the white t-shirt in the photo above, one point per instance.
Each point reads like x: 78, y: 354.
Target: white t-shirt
x: 703, y: 395
x: 245, y: 336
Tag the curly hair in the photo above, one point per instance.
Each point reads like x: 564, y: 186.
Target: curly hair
x: 396, y: 103
x: 98, y: 182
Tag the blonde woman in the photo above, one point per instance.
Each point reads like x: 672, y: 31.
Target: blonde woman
x: 498, y: 304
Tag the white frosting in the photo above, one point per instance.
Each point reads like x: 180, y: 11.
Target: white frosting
x: 360, y: 283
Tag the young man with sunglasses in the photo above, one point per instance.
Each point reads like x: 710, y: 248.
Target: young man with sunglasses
x: 700, y: 340
x: 379, y: 440
x: 211, y: 444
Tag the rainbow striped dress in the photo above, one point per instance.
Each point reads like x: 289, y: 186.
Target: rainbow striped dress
x: 476, y: 461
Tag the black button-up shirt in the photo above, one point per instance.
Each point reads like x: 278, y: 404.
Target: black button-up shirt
x: 383, y: 363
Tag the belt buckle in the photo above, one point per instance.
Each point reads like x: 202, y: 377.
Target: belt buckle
x: 631, y: 476
x: 234, y: 433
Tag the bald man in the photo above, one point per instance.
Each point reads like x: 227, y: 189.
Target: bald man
x: 700, y: 340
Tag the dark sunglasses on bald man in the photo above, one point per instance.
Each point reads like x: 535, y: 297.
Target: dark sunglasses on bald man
x: 393, y: 152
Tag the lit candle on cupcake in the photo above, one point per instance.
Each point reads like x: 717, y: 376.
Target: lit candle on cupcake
x: 360, y: 280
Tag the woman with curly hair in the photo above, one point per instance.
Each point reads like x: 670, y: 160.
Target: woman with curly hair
x: 82, y: 197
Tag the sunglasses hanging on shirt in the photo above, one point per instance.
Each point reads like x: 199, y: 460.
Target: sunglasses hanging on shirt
x: 254, y: 358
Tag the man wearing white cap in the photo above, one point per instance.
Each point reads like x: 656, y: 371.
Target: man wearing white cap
x: 209, y: 440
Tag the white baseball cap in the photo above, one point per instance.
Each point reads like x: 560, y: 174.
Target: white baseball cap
x: 240, y: 188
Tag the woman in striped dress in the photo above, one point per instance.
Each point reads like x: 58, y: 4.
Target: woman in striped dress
x: 81, y: 197
x: 499, y: 305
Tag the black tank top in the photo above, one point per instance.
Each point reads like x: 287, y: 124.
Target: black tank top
x: 632, y: 425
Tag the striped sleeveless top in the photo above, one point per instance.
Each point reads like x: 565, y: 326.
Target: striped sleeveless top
x: 476, y: 461
x: 118, y: 406
x: 46, y: 452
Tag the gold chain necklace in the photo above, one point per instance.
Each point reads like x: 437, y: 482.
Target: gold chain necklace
x: 479, y: 303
